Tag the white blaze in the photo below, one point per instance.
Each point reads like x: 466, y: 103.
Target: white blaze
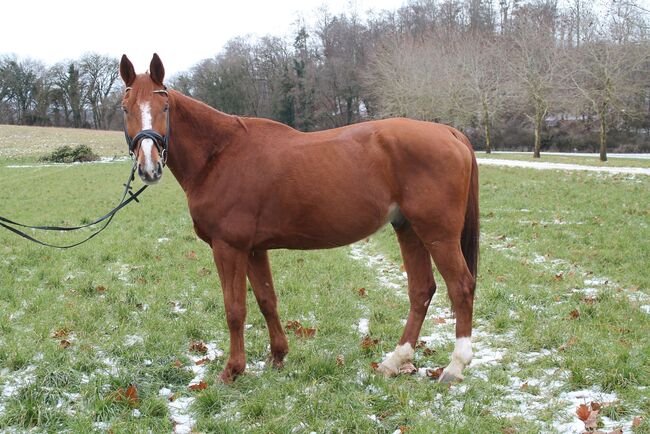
x: 146, y: 144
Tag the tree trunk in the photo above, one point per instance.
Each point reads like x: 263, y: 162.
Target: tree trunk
x: 488, y: 130
x: 538, y: 135
x: 603, y: 137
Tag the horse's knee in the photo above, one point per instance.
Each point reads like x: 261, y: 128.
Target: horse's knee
x: 235, y: 317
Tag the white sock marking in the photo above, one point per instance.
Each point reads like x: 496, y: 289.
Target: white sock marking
x: 393, y: 361
x: 461, y: 357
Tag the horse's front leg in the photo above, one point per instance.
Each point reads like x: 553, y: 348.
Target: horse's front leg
x: 232, y: 265
x: 259, y: 274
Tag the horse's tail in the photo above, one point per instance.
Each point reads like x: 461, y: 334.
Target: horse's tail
x: 469, y: 239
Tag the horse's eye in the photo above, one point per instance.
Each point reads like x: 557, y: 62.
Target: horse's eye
x: 165, y: 108
x: 124, y: 109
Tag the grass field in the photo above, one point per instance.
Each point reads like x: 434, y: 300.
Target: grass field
x: 562, y: 316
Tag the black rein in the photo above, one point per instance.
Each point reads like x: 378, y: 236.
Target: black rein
x: 162, y: 144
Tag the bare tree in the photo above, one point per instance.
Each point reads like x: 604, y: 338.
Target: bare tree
x: 608, y: 78
x: 484, y: 72
x: 534, y: 63
x: 99, y: 74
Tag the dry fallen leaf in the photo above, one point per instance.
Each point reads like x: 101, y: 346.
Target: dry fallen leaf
x: 589, y: 299
x: 408, y: 368
x: 420, y: 344
x: 204, y: 271
x: 130, y: 395
x: 583, y: 412
x: 404, y: 428
x: 428, y: 351
x: 575, y: 313
x: 64, y: 343
x: 292, y: 325
x: 100, y: 288
x: 340, y: 360
x: 588, y: 416
x: 191, y: 255
x: 362, y: 292
x: 374, y: 365
x: 559, y: 276
x: 199, y: 386
x: 198, y: 347
x: 178, y: 364
x: 367, y: 342
x: 637, y: 421
x: 60, y: 333
x: 571, y: 342
x: 524, y: 386
x: 434, y: 373
x: 304, y: 332
x: 203, y: 361
x: 439, y: 320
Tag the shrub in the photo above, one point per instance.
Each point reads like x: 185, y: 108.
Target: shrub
x: 67, y: 154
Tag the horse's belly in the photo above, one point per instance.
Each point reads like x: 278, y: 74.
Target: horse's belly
x: 318, y: 228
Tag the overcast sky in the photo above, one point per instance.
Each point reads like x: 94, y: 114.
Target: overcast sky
x: 182, y: 32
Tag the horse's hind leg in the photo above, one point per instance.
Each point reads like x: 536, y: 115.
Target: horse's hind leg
x: 421, y: 288
x: 449, y: 260
x: 259, y: 275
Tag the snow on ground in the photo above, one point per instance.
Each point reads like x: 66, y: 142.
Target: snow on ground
x: 180, y: 408
x: 522, y: 397
x: 12, y: 382
x: 563, y: 166
x: 577, y: 154
x: 102, y: 160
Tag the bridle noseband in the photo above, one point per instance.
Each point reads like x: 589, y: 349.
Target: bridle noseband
x: 161, y: 142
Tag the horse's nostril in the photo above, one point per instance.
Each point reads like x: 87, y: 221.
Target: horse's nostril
x: 159, y: 169
x: 140, y: 173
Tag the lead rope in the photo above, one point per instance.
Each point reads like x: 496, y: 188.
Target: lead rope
x: 5, y: 222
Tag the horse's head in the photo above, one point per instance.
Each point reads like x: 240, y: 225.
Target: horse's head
x: 146, y: 117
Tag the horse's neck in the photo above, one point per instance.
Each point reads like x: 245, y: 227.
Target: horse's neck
x: 198, y: 132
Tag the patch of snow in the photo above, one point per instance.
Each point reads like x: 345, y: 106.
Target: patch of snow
x: 163, y: 240
x: 176, y: 307
x: 645, y: 308
x: 182, y: 418
x: 388, y: 274
x: 132, y: 340
x: 17, y: 381
x: 363, y: 326
x: 596, y: 281
x: 569, y: 422
x: 563, y: 166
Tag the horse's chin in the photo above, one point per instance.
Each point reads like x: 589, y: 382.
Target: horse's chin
x: 150, y: 181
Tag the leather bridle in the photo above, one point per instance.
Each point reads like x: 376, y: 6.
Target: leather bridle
x: 161, y: 142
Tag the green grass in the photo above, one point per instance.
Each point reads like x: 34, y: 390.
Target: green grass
x: 543, y: 234
x: 585, y: 160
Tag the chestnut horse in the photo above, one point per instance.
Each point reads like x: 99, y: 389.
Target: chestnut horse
x: 255, y: 184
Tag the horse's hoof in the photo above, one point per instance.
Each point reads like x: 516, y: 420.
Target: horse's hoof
x: 227, y: 376
x: 449, y: 378
x: 386, y: 370
x: 277, y: 363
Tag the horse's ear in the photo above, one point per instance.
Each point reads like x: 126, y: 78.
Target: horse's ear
x: 157, y: 70
x: 127, y: 71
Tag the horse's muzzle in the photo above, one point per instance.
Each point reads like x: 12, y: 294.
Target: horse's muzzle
x: 150, y: 176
